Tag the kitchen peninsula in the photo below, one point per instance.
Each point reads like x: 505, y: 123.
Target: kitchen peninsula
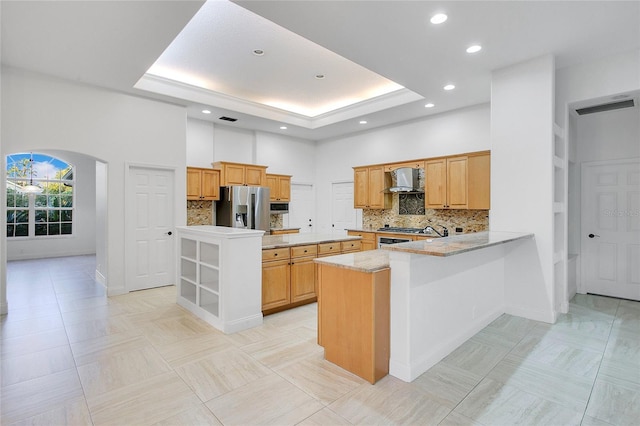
x: 442, y: 292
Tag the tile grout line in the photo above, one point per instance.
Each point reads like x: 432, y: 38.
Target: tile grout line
x: 595, y: 379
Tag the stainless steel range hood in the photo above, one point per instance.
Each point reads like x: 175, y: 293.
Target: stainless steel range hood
x: 406, y: 180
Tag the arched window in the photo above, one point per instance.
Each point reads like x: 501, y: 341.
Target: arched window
x: 40, y: 196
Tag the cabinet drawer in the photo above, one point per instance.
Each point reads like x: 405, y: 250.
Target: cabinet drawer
x: 303, y: 251
x: 275, y: 254
x: 329, y: 248
x: 351, y: 245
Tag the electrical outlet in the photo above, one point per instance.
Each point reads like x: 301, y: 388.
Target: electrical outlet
x: 459, y: 230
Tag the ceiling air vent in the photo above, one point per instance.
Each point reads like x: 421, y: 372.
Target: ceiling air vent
x: 606, y: 107
x: 228, y: 119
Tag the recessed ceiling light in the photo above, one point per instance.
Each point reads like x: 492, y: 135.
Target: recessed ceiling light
x: 206, y: 111
x: 429, y: 105
x: 438, y: 18
x: 363, y: 121
x: 283, y: 127
x: 449, y: 87
x: 320, y: 76
x: 474, y: 49
x: 258, y: 52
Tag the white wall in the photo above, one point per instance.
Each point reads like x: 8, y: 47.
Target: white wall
x: 287, y: 155
x: 83, y: 240
x: 522, y: 99
x: 608, y: 135
x: 463, y: 130
x: 41, y: 113
x: 605, y: 77
x: 199, y: 143
x: 235, y: 145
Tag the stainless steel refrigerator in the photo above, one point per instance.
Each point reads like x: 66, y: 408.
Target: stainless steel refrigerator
x: 243, y: 207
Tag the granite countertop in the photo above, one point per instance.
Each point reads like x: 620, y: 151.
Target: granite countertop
x: 364, y: 261
x: 284, y: 229
x: 290, y: 240
x: 457, y: 244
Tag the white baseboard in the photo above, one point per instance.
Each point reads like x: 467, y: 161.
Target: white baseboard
x: 242, y: 324
x: 31, y: 256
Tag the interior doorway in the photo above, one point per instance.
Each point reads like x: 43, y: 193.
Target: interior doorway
x: 343, y: 215
x: 149, y: 239
x: 302, y: 207
x: 610, y: 232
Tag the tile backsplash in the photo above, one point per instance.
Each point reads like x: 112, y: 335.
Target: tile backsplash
x: 408, y: 213
x: 199, y: 213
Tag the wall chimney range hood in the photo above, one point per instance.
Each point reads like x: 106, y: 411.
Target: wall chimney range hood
x: 406, y: 180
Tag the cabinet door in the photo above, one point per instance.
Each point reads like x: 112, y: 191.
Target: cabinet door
x: 361, y: 188
x: 193, y: 183
x: 435, y: 185
x: 210, y: 184
x: 457, y: 182
x: 255, y: 176
x: 272, y: 183
x: 479, y: 182
x: 376, y: 188
x: 303, y: 279
x: 233, y: 174
x: 275, y: 284
x: 284, y: 188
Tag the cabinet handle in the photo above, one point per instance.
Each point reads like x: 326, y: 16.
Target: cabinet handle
x: 275, y: 254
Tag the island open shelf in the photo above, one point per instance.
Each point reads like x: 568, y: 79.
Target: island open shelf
x: 219, y: 275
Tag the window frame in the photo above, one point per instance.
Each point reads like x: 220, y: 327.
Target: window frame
x: 32, y: 207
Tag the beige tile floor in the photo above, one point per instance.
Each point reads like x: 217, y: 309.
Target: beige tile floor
x: 72, y: 356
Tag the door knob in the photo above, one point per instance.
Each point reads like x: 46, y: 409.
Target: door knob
x: 593, y: 235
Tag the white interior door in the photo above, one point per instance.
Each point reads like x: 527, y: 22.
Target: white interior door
x: 149, y: 258
x: 343, y: 215
x: 610, y: 240
x: 302, y: 207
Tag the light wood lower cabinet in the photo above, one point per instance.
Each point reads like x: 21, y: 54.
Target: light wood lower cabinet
x: 276, y: 271
x: 368, y: 241
x: 289, y: 274
x: 354, y: 319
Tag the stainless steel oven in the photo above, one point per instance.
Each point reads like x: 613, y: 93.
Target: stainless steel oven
x: 383, y: 241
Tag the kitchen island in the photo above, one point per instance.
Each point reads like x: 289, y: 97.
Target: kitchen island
x: 288, y: 271
x: 218, y: 275
x: 442, y: 292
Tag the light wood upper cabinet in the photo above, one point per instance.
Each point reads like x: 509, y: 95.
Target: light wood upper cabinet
x: 446, y: 183
x: 279, y: 187
x: 457, y: 187
x: 479, y: 182
x: 369, y: 185
x: 203, y: 184
x: 459, y: 182
x: 435, y: 183
x: 241, y: 174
